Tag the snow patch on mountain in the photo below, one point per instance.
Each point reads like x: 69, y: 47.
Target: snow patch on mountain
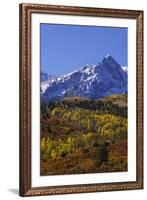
x: 124, y: 68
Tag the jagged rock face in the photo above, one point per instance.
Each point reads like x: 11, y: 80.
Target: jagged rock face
x: 91, y: 81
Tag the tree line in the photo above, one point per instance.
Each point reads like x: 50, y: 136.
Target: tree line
x: 99, y: 106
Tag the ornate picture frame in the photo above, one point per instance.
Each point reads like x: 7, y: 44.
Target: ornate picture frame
x: 27, y: 186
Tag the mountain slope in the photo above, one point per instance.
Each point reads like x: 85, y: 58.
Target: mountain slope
x: 91, y: 81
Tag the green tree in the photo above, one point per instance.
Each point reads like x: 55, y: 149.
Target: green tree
x: 102, y: 154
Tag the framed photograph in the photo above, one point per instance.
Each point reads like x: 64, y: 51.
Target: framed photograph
x: 81, y: 99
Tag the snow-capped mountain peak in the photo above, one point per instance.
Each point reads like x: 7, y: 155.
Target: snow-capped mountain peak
x: 107, y: 56
x: 110, y: 60
x: 90, y: 81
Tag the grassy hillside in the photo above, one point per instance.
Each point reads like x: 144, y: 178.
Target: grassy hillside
x: 119, y: 99
x: 84, y: 136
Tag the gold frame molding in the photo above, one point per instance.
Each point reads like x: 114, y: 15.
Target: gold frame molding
x: 25, y: 98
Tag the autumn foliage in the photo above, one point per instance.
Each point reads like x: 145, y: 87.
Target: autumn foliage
x: 84, y: 136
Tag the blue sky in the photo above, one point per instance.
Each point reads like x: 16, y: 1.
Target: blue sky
x: 65, y: 48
